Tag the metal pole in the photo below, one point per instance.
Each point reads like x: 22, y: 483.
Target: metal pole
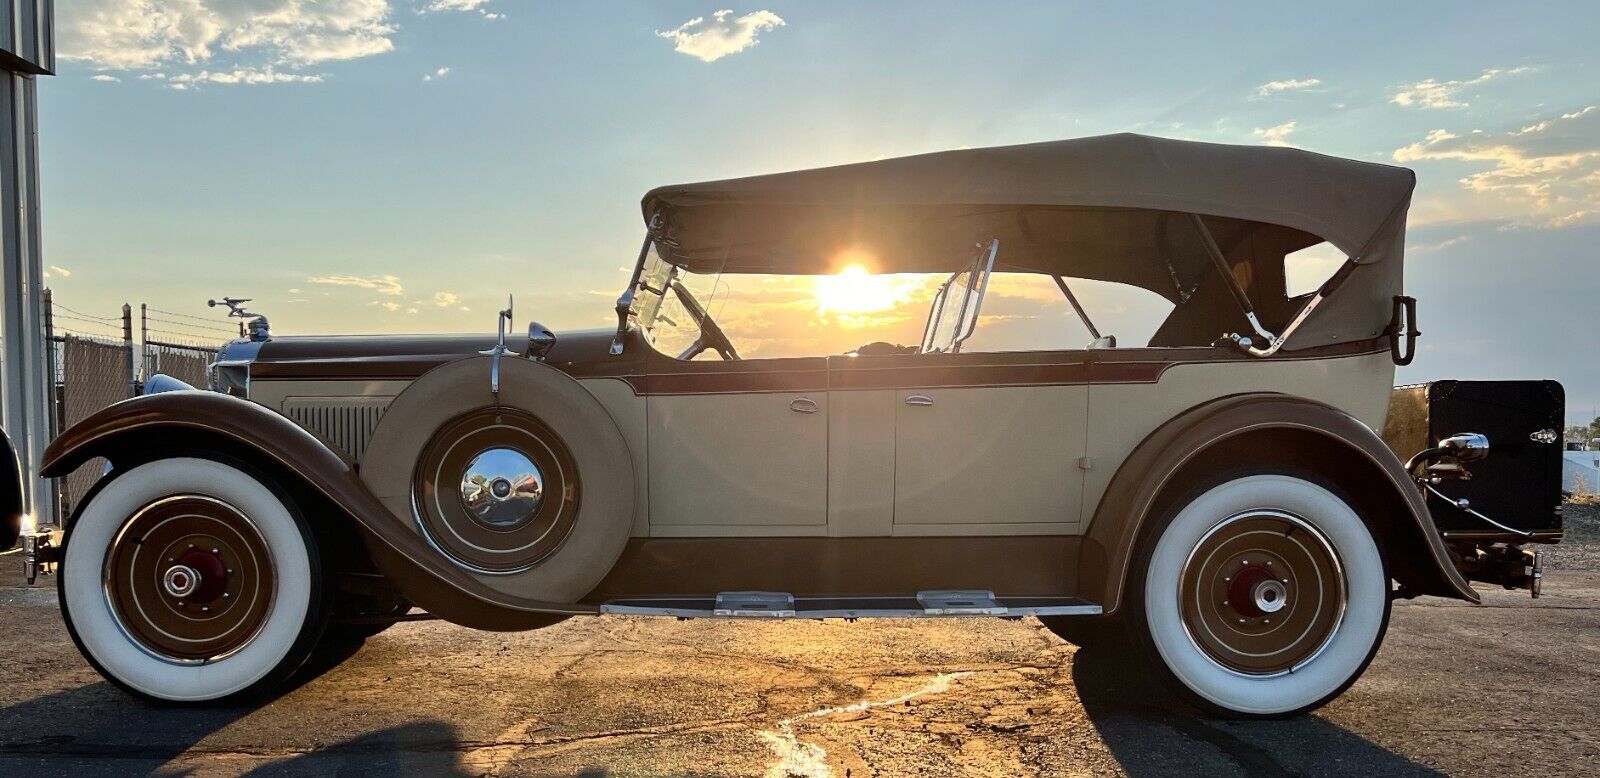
x: 54, y: 398
x: 127, y: 342
x: 26, y: 408
x: 144, y: 339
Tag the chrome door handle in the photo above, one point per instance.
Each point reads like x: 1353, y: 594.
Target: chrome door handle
x: 919, y: 399
x: 803, y: 405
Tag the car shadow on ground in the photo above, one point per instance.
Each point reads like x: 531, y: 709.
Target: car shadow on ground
x: 1151, y: 732
x: 98, y: 729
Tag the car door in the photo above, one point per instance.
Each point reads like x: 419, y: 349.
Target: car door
x: 982, y: 443
x: 737, y: 447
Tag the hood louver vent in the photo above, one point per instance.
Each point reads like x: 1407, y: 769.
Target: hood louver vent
x: 345, y: 422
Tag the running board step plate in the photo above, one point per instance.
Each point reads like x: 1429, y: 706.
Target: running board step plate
x: 942, y: 603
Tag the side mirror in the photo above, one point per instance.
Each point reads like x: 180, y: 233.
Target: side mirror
x: 1466, y: 446
x: 540, y: 340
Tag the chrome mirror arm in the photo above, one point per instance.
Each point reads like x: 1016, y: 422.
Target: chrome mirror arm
x: 499, y: 349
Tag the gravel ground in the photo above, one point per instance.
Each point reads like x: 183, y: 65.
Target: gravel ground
x: 1507, y: 687
x: 1580, y: 548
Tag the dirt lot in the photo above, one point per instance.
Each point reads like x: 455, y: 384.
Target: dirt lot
x: 1509, y: 687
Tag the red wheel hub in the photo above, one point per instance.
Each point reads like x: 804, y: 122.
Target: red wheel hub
x: 1242, y: 590
x: 213, y: 575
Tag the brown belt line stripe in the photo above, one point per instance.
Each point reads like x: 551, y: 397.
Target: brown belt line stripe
x: 674, y: 380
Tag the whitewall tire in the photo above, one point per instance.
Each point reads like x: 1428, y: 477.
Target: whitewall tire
x: 1264, y: 595
x: 190, y: 580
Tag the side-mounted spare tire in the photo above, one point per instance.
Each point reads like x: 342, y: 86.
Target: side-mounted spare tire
x: 530, y: 490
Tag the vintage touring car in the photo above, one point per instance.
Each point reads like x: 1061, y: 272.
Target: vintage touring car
x: 1219, y: 496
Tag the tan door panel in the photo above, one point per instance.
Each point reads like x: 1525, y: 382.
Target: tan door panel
x: 861, y: 462
x: 719, y: 462
x: 967, y: 459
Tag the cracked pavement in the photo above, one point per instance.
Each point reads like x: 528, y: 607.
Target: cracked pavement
x: 1504, y: 688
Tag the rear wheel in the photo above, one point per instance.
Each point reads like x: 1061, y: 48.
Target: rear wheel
x: 1263, y: 595
x: 192, y: 580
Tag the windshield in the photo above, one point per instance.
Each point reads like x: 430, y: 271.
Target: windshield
x: 654, y: 276
x: 954, y: 314
x: 671, y: 317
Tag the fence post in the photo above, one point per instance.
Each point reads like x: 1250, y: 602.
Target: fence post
x: 58, y: 495
x: 127, y: 340
x: 144, y: 339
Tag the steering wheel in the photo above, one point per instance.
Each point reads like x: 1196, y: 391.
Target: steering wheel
x: 711, y: 335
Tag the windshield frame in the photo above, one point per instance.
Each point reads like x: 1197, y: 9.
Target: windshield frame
x: 978, y: 270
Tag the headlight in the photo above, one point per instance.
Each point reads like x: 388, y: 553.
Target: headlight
x: 230, y: 374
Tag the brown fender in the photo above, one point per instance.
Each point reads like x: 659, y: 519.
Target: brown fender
x: 1177, y: 452
x: 137, y: 427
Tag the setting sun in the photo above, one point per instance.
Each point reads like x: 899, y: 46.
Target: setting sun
x: 855, y: 290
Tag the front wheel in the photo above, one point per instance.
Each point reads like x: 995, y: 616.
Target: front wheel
x: 1262, y: 596
x: 191, y: 580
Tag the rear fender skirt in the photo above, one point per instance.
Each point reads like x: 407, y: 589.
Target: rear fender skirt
x: 422, y: 573
x: 1134, y: 492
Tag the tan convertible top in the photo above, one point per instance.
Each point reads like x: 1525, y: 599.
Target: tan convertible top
x: 1113, y: 207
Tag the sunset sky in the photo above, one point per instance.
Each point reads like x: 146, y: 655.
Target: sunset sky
x: 399, y: 165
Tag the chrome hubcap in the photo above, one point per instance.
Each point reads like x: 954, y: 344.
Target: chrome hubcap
x: 180, y: 580
x: 502, y: 487
x: 1270, y: 596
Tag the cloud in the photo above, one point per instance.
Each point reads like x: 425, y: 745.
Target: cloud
x: 445, y: 299
x: 1290, y: 85
x: 724, y: 34
x: 447, y: 6
x: 1277, y: 135
x: 104, y: 77
x: 254, y: 34
x: 385, y: 284
x: 1430, y: 93
x: 436, y: 75
x: 1547, y: 173
x: 1440, y: 245
x: 182, y: 81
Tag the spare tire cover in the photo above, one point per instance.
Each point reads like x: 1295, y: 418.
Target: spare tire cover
x: 452, y: 460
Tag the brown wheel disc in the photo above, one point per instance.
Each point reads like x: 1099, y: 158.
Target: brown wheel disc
x: 1262, y: 592
x: 189, y: 578
x: 496, y: 490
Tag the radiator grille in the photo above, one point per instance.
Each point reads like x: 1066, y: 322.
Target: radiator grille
x: 345, y: 422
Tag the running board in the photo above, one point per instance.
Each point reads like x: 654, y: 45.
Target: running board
x: 944, y: 603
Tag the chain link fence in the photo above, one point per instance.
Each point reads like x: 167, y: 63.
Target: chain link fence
x: 97, y: 361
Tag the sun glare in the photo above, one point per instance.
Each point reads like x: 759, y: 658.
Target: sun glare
x: 854, y: 290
